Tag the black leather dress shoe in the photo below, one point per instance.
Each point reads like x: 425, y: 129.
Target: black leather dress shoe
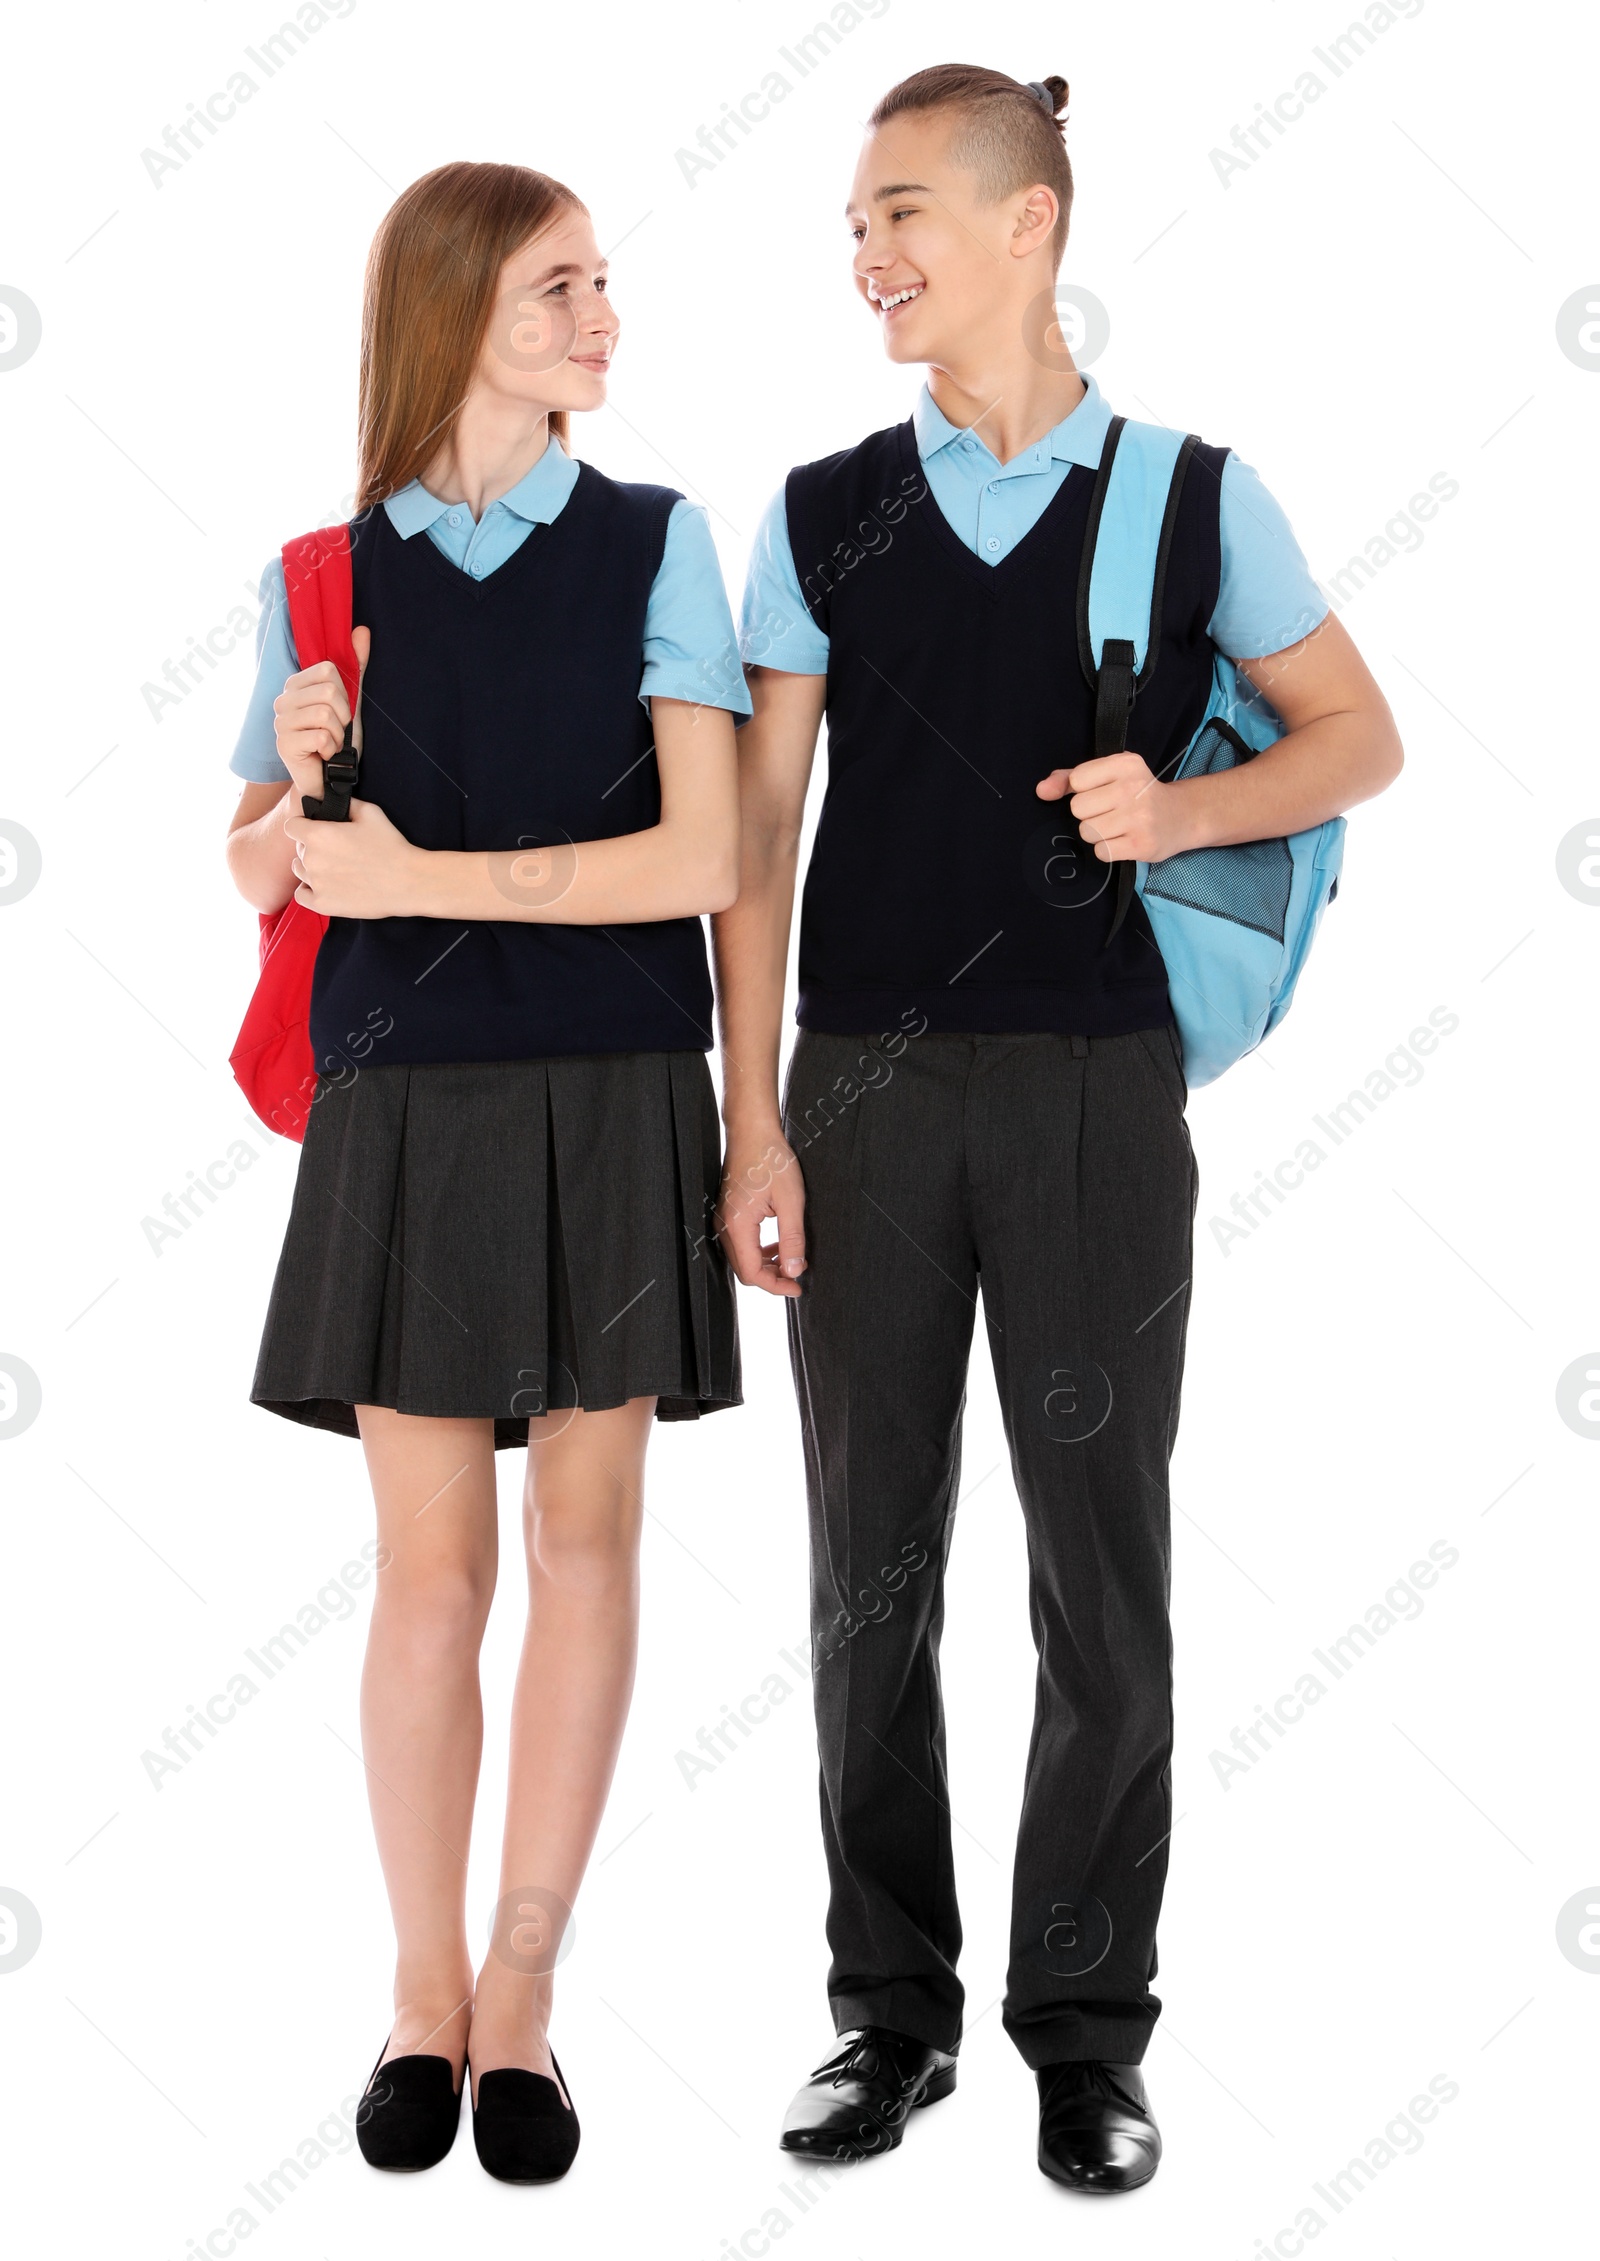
x: 856, y: 2104
x: 408, y: 2114
x: 1095, y: 2128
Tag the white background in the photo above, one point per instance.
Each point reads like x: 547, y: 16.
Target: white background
x: 1375, y: 1901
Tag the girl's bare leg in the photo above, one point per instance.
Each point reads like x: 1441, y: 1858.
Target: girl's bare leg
x: 582, y: 1514
x: 421, y: 1711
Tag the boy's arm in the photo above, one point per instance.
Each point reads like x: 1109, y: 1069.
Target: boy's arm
x: 1341, y: 744
x: 761, y: 1177
x: 1340, y: 747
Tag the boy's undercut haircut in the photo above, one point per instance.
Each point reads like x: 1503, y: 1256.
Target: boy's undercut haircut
x: 1004, y: 135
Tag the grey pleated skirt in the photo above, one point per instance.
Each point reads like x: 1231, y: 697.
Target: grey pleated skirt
x: 505, y: 1239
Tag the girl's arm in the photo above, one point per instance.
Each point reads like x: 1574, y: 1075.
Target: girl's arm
x: 1340, y: 746
x: 259, y: 849
x: 685, y: 864
x: 308, y: 719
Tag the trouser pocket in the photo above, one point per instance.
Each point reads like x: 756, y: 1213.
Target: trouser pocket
x: 1161, y: 1048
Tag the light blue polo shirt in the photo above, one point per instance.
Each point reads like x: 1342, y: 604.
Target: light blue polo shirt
x: 1266, y: 600
x: 689, y: 649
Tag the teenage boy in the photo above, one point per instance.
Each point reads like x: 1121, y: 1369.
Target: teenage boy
x: 987, y: 1095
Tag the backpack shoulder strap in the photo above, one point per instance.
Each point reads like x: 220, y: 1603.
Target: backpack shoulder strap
x: 316, y: 576
x: 317, y: 582
x: 1132, y: 514
x: 1122, y: 579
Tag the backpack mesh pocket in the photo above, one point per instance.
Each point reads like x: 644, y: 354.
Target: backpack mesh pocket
x: 1248, y: 882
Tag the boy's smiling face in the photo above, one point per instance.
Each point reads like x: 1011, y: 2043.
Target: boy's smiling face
x: 944, y: 274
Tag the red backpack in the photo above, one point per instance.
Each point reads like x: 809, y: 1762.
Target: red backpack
x: 271, y: 1056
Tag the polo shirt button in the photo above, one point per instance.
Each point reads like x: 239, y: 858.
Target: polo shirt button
x: 994, y: 486
x: 478, y: 570
x: 991, y: 543
x: 454, y: 519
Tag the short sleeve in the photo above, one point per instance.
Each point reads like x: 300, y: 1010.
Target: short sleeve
x: 256, y: 754
x: 689, y: 647
x: 775, y: 624
x: 1266, y: 599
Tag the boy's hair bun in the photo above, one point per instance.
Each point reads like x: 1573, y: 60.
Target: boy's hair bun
x: 1008, y: 133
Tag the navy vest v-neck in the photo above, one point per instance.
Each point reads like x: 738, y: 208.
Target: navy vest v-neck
x: 505, y: 713
x: 940, y: 885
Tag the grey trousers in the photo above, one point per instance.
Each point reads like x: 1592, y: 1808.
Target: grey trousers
x: 1052, y: 1176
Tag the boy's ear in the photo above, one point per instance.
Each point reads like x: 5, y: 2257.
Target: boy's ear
x: 1036, y: 222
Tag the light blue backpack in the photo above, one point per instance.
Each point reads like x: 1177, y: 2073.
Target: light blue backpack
x: 1234, y: 925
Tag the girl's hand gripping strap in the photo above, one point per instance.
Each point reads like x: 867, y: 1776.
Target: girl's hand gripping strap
x: 316, y: 578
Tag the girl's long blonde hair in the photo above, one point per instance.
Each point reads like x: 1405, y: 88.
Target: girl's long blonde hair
x: 432, y: 278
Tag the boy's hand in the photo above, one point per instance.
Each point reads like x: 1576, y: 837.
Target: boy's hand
x: 1125, y: 813
x: 365, y: 869
x: 761, y: 1179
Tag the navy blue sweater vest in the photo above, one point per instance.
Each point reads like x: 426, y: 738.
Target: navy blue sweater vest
x: 505, y: 713
x: 940, y: 885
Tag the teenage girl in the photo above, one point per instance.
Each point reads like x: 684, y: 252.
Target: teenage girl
x: 500, y: 1228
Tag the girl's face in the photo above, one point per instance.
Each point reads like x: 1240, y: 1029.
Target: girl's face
x: 552, y: 331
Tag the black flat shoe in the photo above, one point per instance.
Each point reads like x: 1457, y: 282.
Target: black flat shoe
x: 1096, y: 2132
x: 409, y: 2113
x: 856, y: 2104
x: 523, y: 2130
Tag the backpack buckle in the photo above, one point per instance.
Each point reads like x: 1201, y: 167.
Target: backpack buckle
x: 339, y: 772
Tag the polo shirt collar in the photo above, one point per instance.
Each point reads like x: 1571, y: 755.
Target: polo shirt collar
x: 539, y: 495
x: 1078, y: 438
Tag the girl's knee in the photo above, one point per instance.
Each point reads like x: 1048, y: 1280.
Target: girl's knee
x: 587, y: 1548
x: 435, y: 1606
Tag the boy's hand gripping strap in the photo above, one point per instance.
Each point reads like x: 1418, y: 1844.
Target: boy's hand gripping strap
x: 1117, y: 678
